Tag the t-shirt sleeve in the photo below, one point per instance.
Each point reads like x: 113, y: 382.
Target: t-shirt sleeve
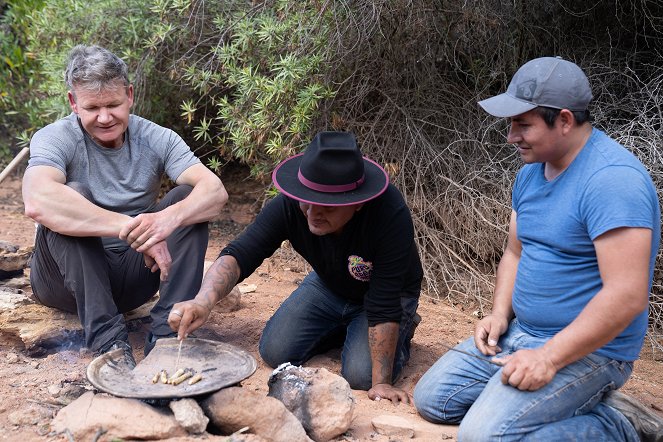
x: 49, y: 149
x: 394, y: 247
x: 179, y: 156
x: 617, y: 196
x: 261, y: 238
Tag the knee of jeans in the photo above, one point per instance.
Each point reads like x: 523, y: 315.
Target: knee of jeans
x: 426, y: 405
x: 434, y: 403
x: 268, y: 354
x: 359, y: 376
x: 478, y: 429
x: 357, y: 381
x: 470, y: 432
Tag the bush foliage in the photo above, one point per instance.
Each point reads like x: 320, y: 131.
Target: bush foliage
x: 252, y: 81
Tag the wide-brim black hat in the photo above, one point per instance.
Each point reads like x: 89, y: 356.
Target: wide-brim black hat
x: 331, y: 172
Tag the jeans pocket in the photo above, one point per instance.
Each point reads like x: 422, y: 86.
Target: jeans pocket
x: 595, y: 361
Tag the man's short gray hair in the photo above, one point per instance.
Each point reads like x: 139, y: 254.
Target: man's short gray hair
x: 94, y: 68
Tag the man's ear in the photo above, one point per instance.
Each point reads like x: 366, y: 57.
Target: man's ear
x: 567, y: 120
x: 72, y: 101
x: 130, y: 94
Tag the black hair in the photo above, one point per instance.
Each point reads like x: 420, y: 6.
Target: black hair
x: 550, y: 114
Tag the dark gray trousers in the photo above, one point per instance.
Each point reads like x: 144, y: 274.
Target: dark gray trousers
x: 79, y: 275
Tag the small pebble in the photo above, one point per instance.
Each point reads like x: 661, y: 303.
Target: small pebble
x: 12, y: 358
x: 54, y: 390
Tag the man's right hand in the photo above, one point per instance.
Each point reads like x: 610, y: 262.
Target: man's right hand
x: 187, y: 316
x: 488, y: 332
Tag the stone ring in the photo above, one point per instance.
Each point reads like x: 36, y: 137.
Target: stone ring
x: 176, y: 312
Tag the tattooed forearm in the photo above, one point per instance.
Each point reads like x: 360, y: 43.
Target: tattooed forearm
x: 382, y: 340
x: 219, y: 281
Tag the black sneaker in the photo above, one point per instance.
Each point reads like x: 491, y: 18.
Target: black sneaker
x: 127, y: 358
x: 151, y: 340
x: 647, y: 424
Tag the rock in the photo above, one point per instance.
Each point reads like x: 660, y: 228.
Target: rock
x: 230, y: 303
x: 17, y: 282
x: 71, y: 392
x: 37, y: 328
x: 28, y: 416
x: 12, y: 358
x: 242, y: 437
x: 54, y: 390
x: 231, y: 409
x: 11, y: 261
x: 12, y: 298
x: 189, y: 415
x: 247, y: 288
x: 321, y: 400
x: 390, y: 425
x: 6, y: 247
x: 120, y: 418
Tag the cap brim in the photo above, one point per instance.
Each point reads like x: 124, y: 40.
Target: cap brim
x: 285, y: 179
x: 505, y: 105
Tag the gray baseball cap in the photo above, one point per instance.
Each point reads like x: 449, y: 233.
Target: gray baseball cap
x: 546, y: 81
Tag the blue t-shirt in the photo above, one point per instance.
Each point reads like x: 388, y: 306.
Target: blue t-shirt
x: 604, y: 188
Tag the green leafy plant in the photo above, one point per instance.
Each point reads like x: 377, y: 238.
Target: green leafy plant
x: 18, y: 72
x: 262, y: 82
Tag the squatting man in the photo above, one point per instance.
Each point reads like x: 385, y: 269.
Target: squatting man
x: 340, y: 213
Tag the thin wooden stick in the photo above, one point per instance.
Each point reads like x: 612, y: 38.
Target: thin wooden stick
x: 179, y: 353
x: 12, y: 165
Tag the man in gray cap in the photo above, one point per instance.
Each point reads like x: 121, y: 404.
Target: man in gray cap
x: 570, y: 304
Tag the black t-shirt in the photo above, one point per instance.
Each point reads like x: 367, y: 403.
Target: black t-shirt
x: 374, y: 260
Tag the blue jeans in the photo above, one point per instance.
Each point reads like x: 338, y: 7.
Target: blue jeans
x: 459, y: 388
x: 305, y: 322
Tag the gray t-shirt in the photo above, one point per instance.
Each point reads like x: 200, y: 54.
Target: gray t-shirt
x: 125, y: 180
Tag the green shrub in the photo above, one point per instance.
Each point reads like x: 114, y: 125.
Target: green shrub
x: 17, y: 72
x: 123, y: 26
x: 259, y: 79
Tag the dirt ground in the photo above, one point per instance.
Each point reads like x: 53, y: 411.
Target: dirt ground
x: 32, y: 390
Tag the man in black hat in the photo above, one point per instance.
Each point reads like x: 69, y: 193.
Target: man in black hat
x: 569, y: 309
x: 340, y: 213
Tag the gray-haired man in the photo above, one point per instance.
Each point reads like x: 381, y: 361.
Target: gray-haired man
x: 104, y: 244
x: 570, y: 302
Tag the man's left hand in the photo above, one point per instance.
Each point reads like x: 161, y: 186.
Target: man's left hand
x: 158, y: 257
x: 527, y: 369
x: 146, y: 230
x: 386, y: 391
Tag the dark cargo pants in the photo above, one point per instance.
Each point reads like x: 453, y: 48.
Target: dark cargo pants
x: 79, y: 275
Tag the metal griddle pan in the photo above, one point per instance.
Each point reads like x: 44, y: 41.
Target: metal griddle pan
x: 221, y: 365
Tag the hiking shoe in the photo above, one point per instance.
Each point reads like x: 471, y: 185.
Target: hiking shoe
x: 151, y: 340
x: 647, y: 424
x: 127, y: 358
